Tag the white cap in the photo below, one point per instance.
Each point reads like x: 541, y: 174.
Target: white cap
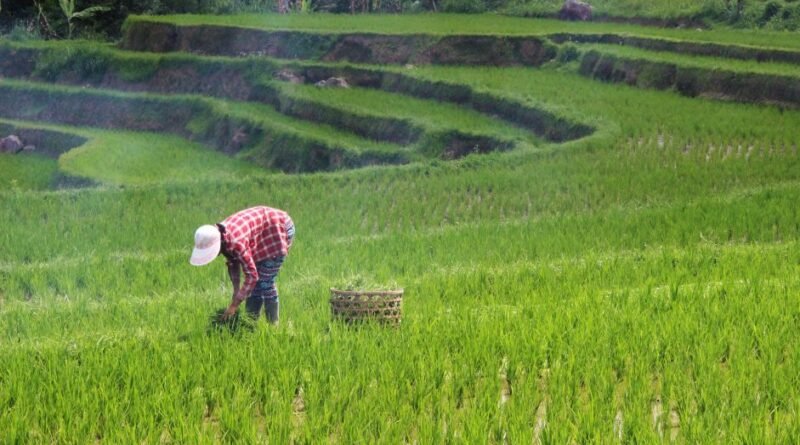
x: 206, y: 245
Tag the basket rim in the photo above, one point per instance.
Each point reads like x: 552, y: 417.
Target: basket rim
x: 367, y: 292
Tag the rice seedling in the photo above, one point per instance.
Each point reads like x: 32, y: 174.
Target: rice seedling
x: 238, y: 322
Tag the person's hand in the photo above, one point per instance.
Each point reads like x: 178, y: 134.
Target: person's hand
x: 230, y: 312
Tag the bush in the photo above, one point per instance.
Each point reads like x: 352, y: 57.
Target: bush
x: 85, y: 64
x: 463, y: 6
x: 774, y: 14
x: 567, y: 53
x: 781, y: 17
x: 471, y: 6
x: 23, y: 30
x: 109, y: 24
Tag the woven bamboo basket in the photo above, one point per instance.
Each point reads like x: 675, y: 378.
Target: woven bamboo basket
x: 384, y: 306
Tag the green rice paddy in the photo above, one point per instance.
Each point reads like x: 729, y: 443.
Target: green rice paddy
x: 638, y: 284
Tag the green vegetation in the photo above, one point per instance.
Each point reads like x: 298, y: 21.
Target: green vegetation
x: 712, y: 63
x: 27, y: 172
x: 638, y: 284
x: 128, y: 158
x: 775, y: 14
x: 359, y: 282
x: 238, y: 322
x: 626, y: 111
x: 439, y: 117
x: 123, y: 158
x: 620, y: 8
x: 53, y: 18
x: 372, y: 130
x: 36, y: 169
x: 70, y: 14
x: 695, y: 76
x: 268, y: 116
x: 204, y: 118
x: 481, y: 24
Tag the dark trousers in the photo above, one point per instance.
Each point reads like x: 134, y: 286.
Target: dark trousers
x: 265, y: 293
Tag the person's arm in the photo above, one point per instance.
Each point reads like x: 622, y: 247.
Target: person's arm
x: 250, y: 280
x: 233, y: 273
x: 250, y: 277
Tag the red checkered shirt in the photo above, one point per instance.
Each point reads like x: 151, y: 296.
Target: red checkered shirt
x: 253, y: 235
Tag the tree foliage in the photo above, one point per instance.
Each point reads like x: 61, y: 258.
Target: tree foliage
x: 68, y: 8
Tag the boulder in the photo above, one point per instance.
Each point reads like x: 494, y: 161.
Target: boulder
x: 11, y: 144
x: 28, y: 149
x: 333, y: 82
x: 289, y: 76
x: 575, y: 10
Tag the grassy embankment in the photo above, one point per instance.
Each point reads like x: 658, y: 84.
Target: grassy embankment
x: 709, y: 63
x: 362, y: 115
x: 619, y: 8
x: 473, y: 24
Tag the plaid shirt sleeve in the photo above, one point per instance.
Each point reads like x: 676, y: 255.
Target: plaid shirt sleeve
x: 245, y: 258
x: 233, y: 272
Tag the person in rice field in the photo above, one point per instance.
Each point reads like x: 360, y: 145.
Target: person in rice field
x: 255, y: 241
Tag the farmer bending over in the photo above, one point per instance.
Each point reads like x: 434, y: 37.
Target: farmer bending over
x: 255, y: 240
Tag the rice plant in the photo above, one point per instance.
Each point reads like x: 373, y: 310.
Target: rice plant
x: 637, y: 284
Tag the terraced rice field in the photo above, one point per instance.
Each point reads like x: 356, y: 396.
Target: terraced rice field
x: 596, y: 229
